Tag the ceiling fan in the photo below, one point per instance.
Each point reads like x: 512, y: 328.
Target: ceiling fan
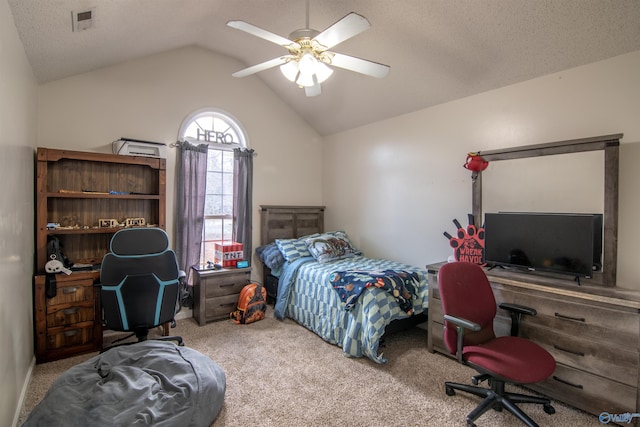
x: 309, y: 59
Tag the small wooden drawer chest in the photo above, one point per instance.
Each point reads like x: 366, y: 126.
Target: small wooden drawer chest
x: 215, y: 292
x: 67, y: 323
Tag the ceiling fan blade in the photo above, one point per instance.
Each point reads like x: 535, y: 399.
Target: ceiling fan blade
x: 260, y: 67
x: 358, y: 65
x: 314, y: 90
x: 349, y: 26
x: 259, y: 32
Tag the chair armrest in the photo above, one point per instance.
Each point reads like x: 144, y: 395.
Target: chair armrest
x: 459, y: 321
x: 516, y: 311
x: 516, y: 308
x: 461, y: 326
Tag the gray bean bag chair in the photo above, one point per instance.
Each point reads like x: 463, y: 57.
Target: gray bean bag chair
x: 147, y: 383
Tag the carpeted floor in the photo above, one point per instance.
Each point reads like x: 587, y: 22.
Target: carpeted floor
x: 280, y: 374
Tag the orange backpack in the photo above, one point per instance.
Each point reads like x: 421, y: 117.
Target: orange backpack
x: 252, y: 304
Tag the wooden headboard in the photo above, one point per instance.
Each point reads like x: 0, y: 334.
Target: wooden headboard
x: 289, y: 222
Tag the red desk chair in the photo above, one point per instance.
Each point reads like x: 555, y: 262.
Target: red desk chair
x: 469, y: 309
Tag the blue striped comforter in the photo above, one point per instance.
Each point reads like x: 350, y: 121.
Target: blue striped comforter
x: 305, y: 294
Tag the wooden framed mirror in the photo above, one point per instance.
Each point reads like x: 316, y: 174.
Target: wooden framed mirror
x: 610, y: 145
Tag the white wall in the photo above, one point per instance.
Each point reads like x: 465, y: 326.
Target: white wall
x: 149, y: 98
x: 396, y: 185
x: 17, y: 142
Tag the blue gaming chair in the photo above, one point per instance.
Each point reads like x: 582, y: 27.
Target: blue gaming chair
x: 139, y: 282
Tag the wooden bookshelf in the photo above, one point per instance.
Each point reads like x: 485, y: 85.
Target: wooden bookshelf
x: 74, y: 190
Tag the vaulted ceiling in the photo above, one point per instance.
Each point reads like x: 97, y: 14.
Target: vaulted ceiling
x: 438, y: 50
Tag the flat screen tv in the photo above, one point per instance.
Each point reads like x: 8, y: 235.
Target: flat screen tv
x: 549, y: 242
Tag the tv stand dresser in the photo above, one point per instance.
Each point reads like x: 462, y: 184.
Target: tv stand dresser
x: 592, y: 331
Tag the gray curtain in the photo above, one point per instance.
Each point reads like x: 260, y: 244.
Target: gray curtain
x: 191, y: 176
x: 243, y: 196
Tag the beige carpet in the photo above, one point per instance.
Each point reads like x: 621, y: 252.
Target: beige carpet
x: 280, y: 374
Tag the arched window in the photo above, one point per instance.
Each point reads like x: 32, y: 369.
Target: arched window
x: 222, y: 132
x: 216, y: 127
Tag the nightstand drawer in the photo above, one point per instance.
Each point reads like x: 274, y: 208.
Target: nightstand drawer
x: 220, y: 307
x: 224, y: 285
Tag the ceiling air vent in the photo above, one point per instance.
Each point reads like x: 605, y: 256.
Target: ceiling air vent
x: 83, y: 20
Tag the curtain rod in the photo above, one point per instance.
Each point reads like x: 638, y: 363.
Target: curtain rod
x: 212, y: 146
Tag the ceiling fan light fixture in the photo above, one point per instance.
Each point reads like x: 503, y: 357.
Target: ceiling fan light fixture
x: 306, y: 71
x: 307, y: 63
x: 323, y: 72
x: 290, y: 70
x: 305, y: 80
x: 307, y: 66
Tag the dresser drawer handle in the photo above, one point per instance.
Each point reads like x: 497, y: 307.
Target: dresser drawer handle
x: 70, y: 333
x: 568, y: 383
x: 70, y: 311
x: 70, y: 290
x: 577, y: 319
x: 226, y: 285
x: 229, y: 304
x: 566, y: 350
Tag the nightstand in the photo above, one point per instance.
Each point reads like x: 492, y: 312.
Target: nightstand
x: 216, y: 292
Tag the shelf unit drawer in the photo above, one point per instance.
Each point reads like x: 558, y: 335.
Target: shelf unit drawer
x: 70, y: 292
x: 70, y: 336
x: 64, y: 315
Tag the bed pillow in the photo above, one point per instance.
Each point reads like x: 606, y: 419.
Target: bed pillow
x: 293, y: 249
x: 270, y: 256
x: 331, y: 246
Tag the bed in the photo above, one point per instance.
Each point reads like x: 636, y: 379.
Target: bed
x: 320, y: 280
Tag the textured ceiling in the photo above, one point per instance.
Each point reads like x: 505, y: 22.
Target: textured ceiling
x: 438, y: 50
